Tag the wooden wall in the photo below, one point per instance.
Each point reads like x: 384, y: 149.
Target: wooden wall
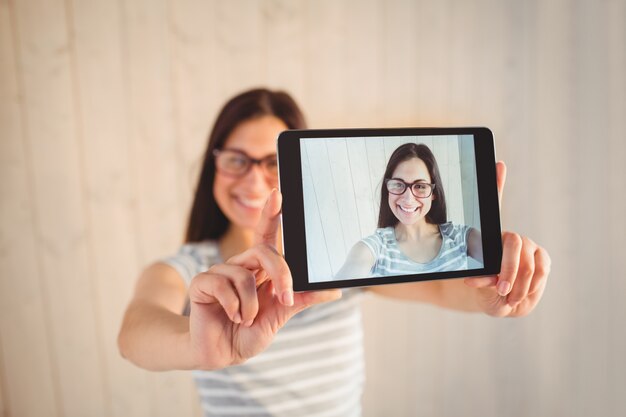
x: 104, y: 111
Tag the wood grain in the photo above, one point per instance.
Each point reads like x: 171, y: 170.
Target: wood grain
x: 105, y: 108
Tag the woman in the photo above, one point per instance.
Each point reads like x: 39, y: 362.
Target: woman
x: 256, y: 347
x: 413, y: 235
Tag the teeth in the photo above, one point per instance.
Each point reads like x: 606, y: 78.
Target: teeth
x: 408, y: 209
x: 253, y: 203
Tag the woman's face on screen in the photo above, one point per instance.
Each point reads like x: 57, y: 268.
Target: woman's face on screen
x: 407, y: 208
x: 242, y: 198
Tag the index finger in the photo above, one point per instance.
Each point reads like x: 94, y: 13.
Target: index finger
x: 266, y: 231
x: 266, y: 257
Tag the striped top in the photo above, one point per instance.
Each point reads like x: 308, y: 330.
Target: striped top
x: 391, y: 261
x: 314, y: 366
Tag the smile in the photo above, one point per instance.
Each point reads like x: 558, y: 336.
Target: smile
x: 408, y: 209
x: 254, y: 203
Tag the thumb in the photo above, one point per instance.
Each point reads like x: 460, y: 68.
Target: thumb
x: 304, y: 300
x: 276, y: 315
x: 500, y: 179
x: 267, y: 229
x: 481, y: 282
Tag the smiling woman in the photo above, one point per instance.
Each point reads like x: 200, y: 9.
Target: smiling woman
x: 226, y: 297
x: 241, y: 196
x: 414, y: 234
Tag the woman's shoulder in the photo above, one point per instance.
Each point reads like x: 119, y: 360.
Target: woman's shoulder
x: 206, y: 248
x: 377, y: 241
x: 193, y: 258
x: 382, y: 235
x: 454, y: 231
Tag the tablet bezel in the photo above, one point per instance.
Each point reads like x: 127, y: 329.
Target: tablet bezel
x: 292, y: 219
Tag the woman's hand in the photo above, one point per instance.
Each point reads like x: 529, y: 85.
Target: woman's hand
x: 525, y: 267
x: 237, y: 307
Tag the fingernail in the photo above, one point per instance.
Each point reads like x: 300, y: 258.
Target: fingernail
x: 248, y: 323
x: 237, y: 318
x: 288, y: 297
x: 503, y: 288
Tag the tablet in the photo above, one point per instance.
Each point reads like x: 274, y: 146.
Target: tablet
x: 366, y: 207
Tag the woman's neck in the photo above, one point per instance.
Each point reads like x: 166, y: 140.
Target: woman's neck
x: 415, y: 232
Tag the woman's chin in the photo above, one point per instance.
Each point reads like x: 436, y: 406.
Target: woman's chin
x: 247, y: 216
x: 408, y: 220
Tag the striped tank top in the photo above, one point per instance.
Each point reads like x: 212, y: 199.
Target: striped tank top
x: 391, y: 261
x: 314, y: 366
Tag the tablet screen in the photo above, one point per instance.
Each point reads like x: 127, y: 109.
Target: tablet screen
x: 348, y: 199
x: 368, y: 207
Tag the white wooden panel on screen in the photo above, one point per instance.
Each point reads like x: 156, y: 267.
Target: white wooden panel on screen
x: 327, y: 202
x: 468, y: 182
x: 367, y: 215
x: 453, y: 187
x: 344, y: 191
x: 376, y: 163
x: 439, y: 149
x: 393, y: 143
x: 317, y: 250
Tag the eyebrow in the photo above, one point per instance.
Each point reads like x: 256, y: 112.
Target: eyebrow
x: 417, y: 180
x: 246, y: 153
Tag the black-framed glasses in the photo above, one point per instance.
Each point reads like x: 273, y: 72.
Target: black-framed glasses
x: 419, y: 189
x: 236, y: 163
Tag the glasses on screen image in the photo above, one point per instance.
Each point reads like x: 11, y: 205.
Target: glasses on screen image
x: 237, y: 163
x: 419, y: 189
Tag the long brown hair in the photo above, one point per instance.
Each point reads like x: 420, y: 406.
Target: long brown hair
x: 206, y: 220
x: 437, y: 213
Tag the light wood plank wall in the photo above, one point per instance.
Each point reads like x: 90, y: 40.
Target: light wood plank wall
x: 104, y: 111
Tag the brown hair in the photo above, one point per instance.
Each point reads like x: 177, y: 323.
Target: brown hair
x: 437, y: 213
x: 206, y: 219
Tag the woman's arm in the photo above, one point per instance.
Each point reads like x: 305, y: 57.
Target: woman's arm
x: 154, y: 335
x: 358, y: 263
x: 475, y: 244
x: 514, y: 292
x: 236, y: 308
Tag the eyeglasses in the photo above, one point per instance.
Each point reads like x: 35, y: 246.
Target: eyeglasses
x: 237, y: 163
x: 397, y: 186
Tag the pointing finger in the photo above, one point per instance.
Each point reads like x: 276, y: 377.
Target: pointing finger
x: 265, y: 256
x: 266, y: 231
